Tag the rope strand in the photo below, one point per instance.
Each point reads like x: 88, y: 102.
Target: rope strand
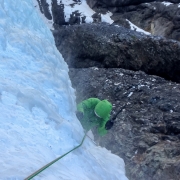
x: 52, y: 162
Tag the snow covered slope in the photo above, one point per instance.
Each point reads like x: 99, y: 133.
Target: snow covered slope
x: 80, y: 6
x: 37, y: 102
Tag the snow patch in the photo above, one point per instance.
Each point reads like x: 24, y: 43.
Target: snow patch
x: 116, y: 84
x: 130, y: 94
x: 107, y: 18
x: 166, y: 3
x: 135, y: 28
x: 81, y: 7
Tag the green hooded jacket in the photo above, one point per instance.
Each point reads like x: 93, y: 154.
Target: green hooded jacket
x: 96, y: 113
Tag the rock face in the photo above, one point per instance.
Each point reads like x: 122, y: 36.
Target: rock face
x: 110, y: 46
x: 117, y: 3
x: 158, y: 18
x: 44, y: 8
x: 146, y: 134
x: 57, y: 11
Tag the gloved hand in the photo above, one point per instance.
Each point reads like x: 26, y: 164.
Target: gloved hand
x: 79, y: 115
x: 109, y: 125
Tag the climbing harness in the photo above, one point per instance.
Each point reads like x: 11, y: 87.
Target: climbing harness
x: 52, y: 162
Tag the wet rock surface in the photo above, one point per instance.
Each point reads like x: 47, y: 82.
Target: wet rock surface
x: 146, y: 133
x: 109, y: 46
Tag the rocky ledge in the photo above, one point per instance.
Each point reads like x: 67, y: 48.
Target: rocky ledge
x: 110, y: 46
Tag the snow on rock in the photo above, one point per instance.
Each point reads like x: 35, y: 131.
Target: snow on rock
x: 37, y: 101
x: 135, y: 28
x: 166, y: 3
x: 107, y: 18
x: 81, y: 7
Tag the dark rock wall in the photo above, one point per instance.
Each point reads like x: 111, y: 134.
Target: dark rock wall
x: 109, y: 46
x: 44, y: 8
x: 58, y: 14
x: 155, y: 18
x: 151, y: 16
x: 57, y: 10
x: 146, y: 134
x: 117, y: 3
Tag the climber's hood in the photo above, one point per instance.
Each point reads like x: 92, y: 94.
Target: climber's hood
x: 103, y: 109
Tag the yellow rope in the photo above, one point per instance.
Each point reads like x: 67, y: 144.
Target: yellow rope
x: 52, y: 162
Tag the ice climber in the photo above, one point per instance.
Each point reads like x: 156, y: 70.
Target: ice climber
x: 94, y: 112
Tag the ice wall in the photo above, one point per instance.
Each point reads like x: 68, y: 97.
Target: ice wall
x: 37, y: 102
